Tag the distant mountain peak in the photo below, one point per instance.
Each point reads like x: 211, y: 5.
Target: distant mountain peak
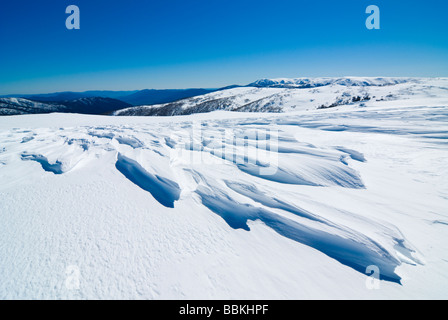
x: 320, y: 82
x: 300, y: 94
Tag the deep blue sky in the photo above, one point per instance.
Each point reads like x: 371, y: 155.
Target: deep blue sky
x: 138, y: 44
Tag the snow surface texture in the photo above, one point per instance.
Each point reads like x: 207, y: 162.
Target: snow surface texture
x: 227, y: 205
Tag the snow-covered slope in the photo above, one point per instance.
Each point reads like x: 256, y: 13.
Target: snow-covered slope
x: 94, y: 105
x: 136, y: 97
x: 286, y: 95
x: 228, y: 205
x: 16, y: 106
x: 90, y: 105
x: 321, y: 82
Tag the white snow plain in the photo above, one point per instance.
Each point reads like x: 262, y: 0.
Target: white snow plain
x: 97, y: 207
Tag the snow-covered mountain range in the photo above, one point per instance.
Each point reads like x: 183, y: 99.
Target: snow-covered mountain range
x: 93, y: 105
x: 321, y: 82
x: 265, y: 95
x: 16, y: 106
x: 135, y: 97
x: 286, y: 95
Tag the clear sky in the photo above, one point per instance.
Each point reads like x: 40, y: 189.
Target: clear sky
x: 137, y: 44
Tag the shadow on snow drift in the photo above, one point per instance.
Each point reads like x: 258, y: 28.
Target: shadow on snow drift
x: 354, y: 254
x: 165, y: 191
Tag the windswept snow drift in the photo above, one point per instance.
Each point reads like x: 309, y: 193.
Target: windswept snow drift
x: 227, y: 205
x: 163, y: 190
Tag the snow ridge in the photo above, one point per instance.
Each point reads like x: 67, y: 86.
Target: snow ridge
x: 321, y: 82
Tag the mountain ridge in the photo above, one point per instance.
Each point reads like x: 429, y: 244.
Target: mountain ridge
x: 284, y: 95
x: 264, y: 95
x: 93, y: 105
x: 134, y: 97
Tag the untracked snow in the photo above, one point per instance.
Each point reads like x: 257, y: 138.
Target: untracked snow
x: 228, y: 205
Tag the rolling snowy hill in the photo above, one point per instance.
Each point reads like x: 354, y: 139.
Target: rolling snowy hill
x: 135, y: 98
x: 287, y: 95
x: 16, y: 106
x: 93, y: 105
x: 300, y: 83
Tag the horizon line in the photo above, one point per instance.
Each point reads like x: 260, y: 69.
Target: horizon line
x: 12, y: 95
